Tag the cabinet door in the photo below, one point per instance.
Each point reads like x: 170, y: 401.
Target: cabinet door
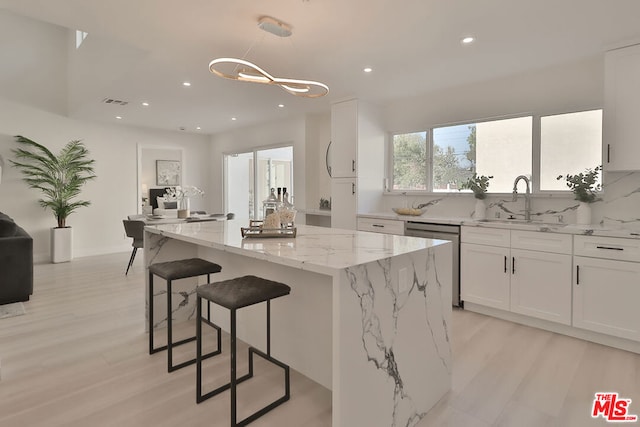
x: 606, y: 295
x: 343, y: 203
x: 344, y: 139
x: 484, y: 275
x: 621, y: 109
x: 541, y: 285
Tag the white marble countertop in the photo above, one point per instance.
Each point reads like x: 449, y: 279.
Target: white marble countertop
x: 319, y: 249
x: 588, y: 230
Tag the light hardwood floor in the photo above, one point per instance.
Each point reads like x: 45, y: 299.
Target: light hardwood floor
x: 79, y: 358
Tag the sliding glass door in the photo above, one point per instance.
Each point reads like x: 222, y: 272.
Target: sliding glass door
x: 249, y: 177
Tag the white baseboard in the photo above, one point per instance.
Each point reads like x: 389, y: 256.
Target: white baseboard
x: 571, y: 331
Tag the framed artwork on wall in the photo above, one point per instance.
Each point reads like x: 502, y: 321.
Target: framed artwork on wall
x: 168, y: 172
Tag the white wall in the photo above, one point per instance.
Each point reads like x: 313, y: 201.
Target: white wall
x: 98, y: 228
x: 276, y: 133
x: 318, y: 136
x: 34, y: 62
x: 570, y: 87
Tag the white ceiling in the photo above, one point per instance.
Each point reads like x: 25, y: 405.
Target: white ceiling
x: 413, y: 47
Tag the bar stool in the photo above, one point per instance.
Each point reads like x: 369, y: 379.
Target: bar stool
x: 170, y: 271
x: 234, y: 294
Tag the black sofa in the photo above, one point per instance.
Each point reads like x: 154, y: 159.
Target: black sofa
x: 16, y: 262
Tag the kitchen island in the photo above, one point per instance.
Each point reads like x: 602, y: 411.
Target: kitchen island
x: 368, y: 316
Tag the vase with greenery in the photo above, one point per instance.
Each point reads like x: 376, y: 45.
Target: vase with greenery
x: 60, y: 177
x: 478, y: 184
x: 584, y: 186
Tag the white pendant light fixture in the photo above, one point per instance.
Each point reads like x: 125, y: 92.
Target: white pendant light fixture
x: 243, y: 70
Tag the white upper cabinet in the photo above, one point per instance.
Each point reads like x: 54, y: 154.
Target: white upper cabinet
x: 344, y: 139
x: 622, y: 109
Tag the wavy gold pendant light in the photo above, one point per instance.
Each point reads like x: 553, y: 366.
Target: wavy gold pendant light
x: 243, y: 70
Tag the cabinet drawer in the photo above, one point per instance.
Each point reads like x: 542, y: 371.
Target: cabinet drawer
x: 617, y: 248
x: 485, y: 236
x: 387, y: 226
x: 540, y: 241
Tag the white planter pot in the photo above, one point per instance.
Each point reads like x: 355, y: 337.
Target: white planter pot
x: 61, y: 244
x: 583, y: 214
x: 480, y: 211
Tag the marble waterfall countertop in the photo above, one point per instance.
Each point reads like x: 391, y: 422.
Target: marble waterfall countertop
x: 517, y: 224
x: 368, y: 315
x: 318, y: 249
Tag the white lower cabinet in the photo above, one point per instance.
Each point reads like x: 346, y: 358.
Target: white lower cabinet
x: 541, y: 285
x: 606, y: 294
x: 509, y: 276
x: 484, y: 275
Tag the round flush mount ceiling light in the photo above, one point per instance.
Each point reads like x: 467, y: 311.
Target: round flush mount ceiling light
x: 467, y: 40
x: 367, y: 69
x: 186, y: 84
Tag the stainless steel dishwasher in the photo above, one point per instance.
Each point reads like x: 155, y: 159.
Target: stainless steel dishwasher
x: 442, y: 232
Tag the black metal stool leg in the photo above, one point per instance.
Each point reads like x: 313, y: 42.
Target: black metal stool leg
x: 233, y: 369
x: 169, y: 329
x: 198, y: 349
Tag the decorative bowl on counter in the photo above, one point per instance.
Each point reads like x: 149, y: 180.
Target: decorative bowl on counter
x: 409, y: 211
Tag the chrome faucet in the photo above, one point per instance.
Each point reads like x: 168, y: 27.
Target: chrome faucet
x: 527, y: 196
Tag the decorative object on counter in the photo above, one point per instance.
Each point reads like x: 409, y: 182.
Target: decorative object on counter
x: 270, y: 204
x: 286, y: 211
x: 408, y: 211
x: 60, y: 177
x: 325, y: 204
x: 584, y: 187
x: 181, y: 196
x: 258, y: 228
x: 479, y: 185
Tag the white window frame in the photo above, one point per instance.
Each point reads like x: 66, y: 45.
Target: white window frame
x: 254, y: 151
x: 535, y: 158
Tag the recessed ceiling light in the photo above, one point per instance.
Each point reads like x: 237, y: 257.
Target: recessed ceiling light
x: 368, y: 70
x: 280, y: 105
x: 118, y: 117
x: 145, y: 104
x: 233, y: 118
x: 197, y: 127
x: 187, y: 84
x: 468, y: 40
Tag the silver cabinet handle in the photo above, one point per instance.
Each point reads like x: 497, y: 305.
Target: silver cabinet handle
x: 353, y: 165
x: 353, y: 188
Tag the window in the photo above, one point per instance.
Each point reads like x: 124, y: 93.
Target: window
x: 500, y: 148
x: 249, y: 176
x: 569, y: 144
x: 409, y: 160
x: 80, y: 36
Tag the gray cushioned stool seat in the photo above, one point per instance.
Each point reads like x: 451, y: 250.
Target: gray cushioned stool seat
x: 242, y: 291
x: 183, y: 268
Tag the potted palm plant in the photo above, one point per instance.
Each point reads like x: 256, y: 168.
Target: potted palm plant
x: 60, y: 178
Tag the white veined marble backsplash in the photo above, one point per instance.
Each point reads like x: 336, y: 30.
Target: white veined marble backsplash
x: 619, y: 205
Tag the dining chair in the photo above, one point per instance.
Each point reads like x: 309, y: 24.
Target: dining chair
x: 135, y: 230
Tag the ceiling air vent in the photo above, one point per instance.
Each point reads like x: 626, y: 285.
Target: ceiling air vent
x: 114, y: 101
